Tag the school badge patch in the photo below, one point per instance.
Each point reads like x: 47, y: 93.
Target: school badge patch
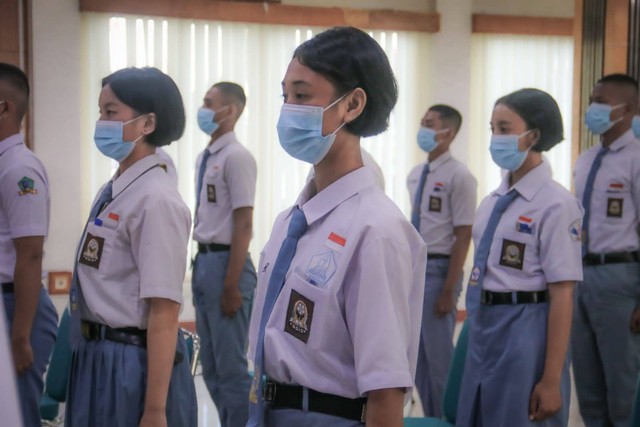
x: 435, y: 204
x: 614, y: 208
x: 211, y: 193
x: 575, y: 231
x: 321, y: 268
x: 91, y: 251
x: 512, y: 254
x: 475, y: 276
x: 27, y: 186
x: 299, y: 316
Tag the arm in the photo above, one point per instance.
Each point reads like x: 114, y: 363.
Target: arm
x: 384, y: 408
x: 27, y: 280
x: 459, y: 250
x: 546, y: 399
x: 161, y: 347
x: 240, y: 238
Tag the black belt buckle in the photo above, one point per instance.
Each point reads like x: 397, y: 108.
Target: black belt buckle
x: 485, y: 297
x: 7, y: 288
x: 363, y: 416
x: 269, y: 392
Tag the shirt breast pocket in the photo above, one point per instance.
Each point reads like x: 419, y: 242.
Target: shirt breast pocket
x: 97, y: 248
x: 617, y: 206
x: 516, y: 251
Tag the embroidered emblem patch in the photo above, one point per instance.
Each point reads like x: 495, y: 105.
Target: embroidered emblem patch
x: 211, y: 193
x: 91, y: 251
x: 299, y: 316
x: 435, y: 204
x: 27, y: 186
x: 614, y: 207
x: 512, y: 254
x: 575, y: 231
x: 475, y: 276
x: 321, y: 268
x: 164, y: 167
x: 524, y: 225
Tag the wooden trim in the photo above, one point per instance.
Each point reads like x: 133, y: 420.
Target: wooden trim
x: 521, y: 25
x: 576, y: 122
x: 266, y: 13
x: 25, y: 51
x: 461, y: 316
x: 616, y: 37
x: 189, y: 325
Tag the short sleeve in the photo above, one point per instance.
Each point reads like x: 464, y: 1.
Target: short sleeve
x: 159, y: 244
x: 240, y: 176
x: 24, y: 196
x: 463, y: 199
x: 378, y: 311
x: 560, y: 246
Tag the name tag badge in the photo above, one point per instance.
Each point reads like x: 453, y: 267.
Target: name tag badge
x: 211, y: 193
x: 614, y: 208
x: 435, y: 204
x: 512, y: 254
x: 299, y: 316
x: 91, y: 252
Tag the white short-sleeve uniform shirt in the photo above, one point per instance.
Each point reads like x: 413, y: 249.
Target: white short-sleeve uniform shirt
x: 448, y: 201
x: 615, y: 200
x: 24, y: 200
x: 136, y: 249
x: 537, y: 240
x: 229, y: 183
x: 369, y: 162
x: 347, y: 320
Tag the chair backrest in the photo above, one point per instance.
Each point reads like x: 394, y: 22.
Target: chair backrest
x: 635, y: 419
x: 451, y: 393
x: 60, y: 363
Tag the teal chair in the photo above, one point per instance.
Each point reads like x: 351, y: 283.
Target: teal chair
x: 55, y: 388
x: 451, y: 390
x: 635, y: 418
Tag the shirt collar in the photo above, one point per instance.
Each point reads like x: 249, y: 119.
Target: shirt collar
x: 624, y: 139
x: 9, y: 142
x: 120, y: 183
x: 222, y: 142
x: 441, y: 160
x: 529, y: 185
x: 318, y: 205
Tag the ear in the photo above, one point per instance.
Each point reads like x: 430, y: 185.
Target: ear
x: 534, y: 138
x: 149, y: 124
x: 356, y: 101
x: 5, y: 108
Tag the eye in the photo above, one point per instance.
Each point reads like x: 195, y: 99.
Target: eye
x: 301, y: 96
x: 284, y: 97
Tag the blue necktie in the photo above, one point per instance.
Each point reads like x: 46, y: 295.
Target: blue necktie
x: 75, y: 293
x: 297, y: 227
x: 482, y: 251
x: 417, y: 200
x: 203, y: 167
x: 586, y: 198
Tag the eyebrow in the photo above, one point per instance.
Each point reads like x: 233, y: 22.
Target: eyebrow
x: 298, y: 83
x: 110, y: 104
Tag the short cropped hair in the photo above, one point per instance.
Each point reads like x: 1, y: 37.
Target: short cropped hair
x: 349, y: 58
x: 448, y: 114
x: 18, y: 80
x: 234, y: 92
x: 624, y: 80
x: 149, y: 90
x: 539, y: 111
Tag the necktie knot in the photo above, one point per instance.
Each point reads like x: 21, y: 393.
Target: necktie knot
x: 298, y: 224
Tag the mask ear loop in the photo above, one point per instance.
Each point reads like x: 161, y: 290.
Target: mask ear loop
x: 331, y: 105
x: 129, y: 121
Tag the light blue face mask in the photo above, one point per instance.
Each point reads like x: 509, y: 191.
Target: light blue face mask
x: 505, y: 153
x: 300, y: 132
x: 427, y: 138
x: 635, y: 125
x: 206, y: 120
x: 598, y: 117
x: 108, y: 139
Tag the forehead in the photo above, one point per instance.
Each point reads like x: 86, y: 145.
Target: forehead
x: 298, y: 75
x: 213, y: 94
x: 502, y: 113
x: 108, y: 97
x: 431, y: 116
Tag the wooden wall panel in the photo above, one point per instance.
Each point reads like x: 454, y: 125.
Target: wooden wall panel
x: 523, y: 25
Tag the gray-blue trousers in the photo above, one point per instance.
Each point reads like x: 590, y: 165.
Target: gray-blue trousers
x: 223, y: 340
x: 606, y: 354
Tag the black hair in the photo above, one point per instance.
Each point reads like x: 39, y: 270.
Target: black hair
x: 349, y: 58
x: 233, y: 91
x: 149, y: 90
x: 539, y: 111
x: 624, y: 80
x: 18, y: 80
x: 448, y: 114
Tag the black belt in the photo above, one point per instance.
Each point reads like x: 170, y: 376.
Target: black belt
x: 7, y: 288
x: 291, y: 396
x: 611, y: 258
x: 438, y: 256
x: 212, y: 247
x: 517, y: 297
x: 96, y: 331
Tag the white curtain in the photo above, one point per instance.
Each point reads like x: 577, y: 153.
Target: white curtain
x: 501, y: 64
x: 197, y: 54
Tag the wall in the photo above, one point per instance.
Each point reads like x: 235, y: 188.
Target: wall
x: 413, y: 5
x: 548, y: 8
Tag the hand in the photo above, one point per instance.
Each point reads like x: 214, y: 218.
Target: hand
x: 153, y: 418
x: 545, y: 400
x: 231, y: 300
x: 22, y: 354
x: 634, y: 323
x: 445, y: 303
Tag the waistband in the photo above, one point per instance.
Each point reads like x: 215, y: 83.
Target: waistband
x: 291, y: 397
x: 212, y: 247
x: 7, y: 288
x: 438, y: 256
x: 611, y: 258
x: 97, y: 331
x: 516, y: 297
